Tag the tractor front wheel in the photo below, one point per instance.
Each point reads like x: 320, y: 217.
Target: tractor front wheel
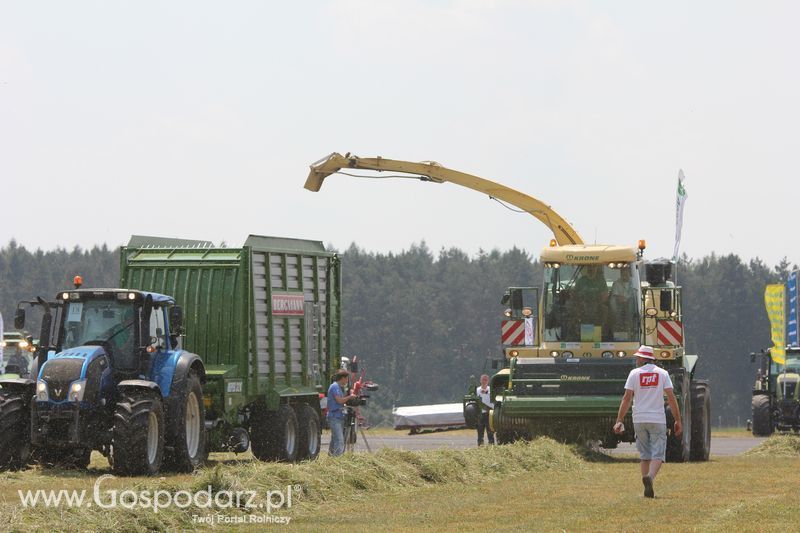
x: 762, y: 416
x: 138, y: 436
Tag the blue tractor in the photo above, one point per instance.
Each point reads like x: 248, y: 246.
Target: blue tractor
x: 109, y: 375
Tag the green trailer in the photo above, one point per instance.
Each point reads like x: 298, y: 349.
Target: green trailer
x: 265, y: 318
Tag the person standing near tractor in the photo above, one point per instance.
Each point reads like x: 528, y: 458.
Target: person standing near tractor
x: 486, y: 404
x: 646, y: 386
x: 336, y: 399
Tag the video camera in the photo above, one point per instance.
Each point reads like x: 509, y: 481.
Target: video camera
x: 359, y: 387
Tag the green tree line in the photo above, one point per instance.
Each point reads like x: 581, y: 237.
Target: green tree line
x: 423, y: 322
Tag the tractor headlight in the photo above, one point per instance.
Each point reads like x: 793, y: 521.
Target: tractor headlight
x: 608, y: 355
x: 23, y: 344
x: 41, y: 391
x: 567, y: 354
x: 76, y: 390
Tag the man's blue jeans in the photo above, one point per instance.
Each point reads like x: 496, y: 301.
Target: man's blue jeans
x: 337, y: 436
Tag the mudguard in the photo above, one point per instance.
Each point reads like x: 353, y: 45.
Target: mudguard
x: 18, y: 385
x: 140, y: 384
x: 186, y: 361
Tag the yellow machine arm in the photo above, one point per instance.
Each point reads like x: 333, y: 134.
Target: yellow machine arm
x: 563, y: 232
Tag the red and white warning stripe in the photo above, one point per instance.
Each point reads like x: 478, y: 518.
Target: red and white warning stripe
x: 670, y: 333
x: 512, y: 332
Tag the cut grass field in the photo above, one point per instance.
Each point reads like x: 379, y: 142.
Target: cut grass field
x: 538, y: 486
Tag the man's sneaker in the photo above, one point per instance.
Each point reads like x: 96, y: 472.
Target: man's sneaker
x: 647, y: 481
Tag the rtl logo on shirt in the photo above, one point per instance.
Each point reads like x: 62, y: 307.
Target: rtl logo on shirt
x: 648, y: 379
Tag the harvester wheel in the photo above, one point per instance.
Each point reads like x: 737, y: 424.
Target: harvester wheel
x: 186, y: 429
x: 678, y: 448
x: 138, y: 436
x: 15, y: 435
x: 309, y: 432
x: 701, y: 421
x: 762, y: 416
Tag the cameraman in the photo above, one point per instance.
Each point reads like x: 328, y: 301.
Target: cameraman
x: 336, y: 399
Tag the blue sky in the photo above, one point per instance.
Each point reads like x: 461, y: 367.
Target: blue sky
x: 199, y: 119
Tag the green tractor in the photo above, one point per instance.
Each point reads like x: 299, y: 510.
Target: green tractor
x: 776, y: 394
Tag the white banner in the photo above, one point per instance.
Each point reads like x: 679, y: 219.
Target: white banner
x: 680, y: 201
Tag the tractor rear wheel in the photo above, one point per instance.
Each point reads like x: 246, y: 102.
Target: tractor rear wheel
x: 15, y: 434
x: 762, y: 416
x: 309, y: 432
x: 187, y: 432
x: 138, y: 435
x: 701, y: 421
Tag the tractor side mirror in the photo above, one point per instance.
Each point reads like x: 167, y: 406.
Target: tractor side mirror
x: 506, y: 298
x: 47, y: 326
x: 176, y: 319
x: 497, y: 364
x: 19, y: 319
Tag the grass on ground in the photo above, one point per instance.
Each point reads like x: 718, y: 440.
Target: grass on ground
x: 537, y: 486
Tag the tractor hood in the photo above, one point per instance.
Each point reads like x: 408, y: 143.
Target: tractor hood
x: 64, y: 368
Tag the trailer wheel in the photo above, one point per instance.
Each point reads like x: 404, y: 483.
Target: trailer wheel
x: 187, y: 432
x: 309, y: 434
x: 701, y: 421
x: 274, y: 434
x: 762, y: 416
x: 261, y: 424
x: 138, y: 435
x: 15, y: 435
x: 505, y: 436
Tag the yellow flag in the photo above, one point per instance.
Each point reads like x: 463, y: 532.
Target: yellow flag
x: 774, y: 299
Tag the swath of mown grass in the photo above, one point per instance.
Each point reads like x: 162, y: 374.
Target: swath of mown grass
x: 777, y: 446
x: 327, y: 480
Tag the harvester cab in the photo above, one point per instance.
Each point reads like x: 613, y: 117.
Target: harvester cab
x: 776, y: 394
x: 109, y: 376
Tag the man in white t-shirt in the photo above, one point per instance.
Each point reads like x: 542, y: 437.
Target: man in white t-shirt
x: 646, y: 386
x: 486, y: 404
